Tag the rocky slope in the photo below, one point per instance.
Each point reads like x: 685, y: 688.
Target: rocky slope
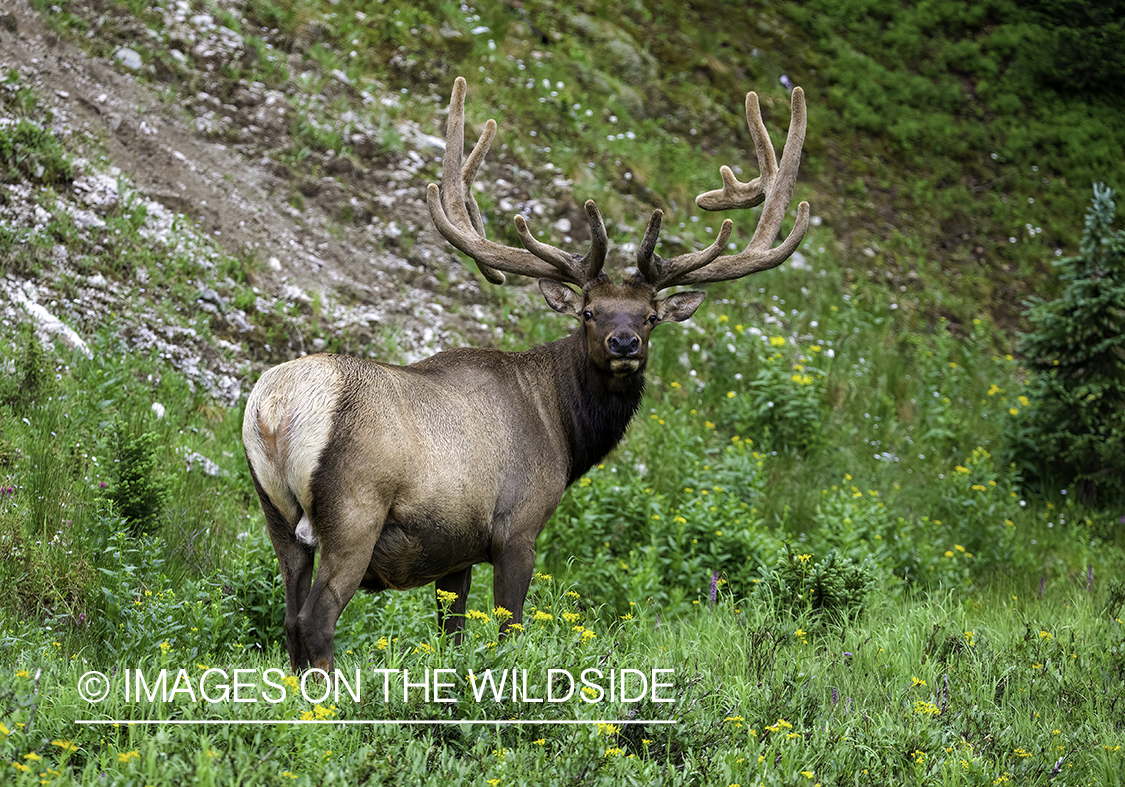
x: 347, y: 259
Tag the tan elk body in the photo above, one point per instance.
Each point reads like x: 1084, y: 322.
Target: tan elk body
x: 406, y: 475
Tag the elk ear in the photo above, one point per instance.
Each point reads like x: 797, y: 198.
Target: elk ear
x: 678, y: 307
x: 561, y: 298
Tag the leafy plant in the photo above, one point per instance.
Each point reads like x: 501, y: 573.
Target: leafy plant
x: 143, y: 609
x: 782, y: 402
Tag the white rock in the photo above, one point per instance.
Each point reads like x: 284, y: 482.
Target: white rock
x: 129, y: 58
x: 49, y: 324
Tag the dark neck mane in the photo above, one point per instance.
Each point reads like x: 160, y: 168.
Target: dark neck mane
x: 597, y: 405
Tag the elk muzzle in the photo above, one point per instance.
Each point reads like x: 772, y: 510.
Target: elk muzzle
x: 624, y: 348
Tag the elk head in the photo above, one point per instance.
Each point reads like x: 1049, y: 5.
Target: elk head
x: 619, y: 317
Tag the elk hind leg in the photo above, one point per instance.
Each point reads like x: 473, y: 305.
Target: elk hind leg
x: 343, y: 562
x: 295, y: 560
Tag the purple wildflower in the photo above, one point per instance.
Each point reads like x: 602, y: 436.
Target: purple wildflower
x: 714, y: 586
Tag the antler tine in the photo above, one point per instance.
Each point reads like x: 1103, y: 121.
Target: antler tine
x: 774, y: 186
x: 594, y: 260
x: 469, y: 200
x: 663, y: 273
x: 647, y: 261
x: 457, y: 217
x: 779, y: 189
x: 735, y: 194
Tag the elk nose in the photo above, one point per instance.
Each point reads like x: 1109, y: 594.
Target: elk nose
x: 624, y: 344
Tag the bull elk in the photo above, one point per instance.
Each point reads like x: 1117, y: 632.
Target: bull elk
x: 406, y: 475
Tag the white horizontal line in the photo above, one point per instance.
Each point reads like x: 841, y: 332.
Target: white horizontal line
x: 407, y: 722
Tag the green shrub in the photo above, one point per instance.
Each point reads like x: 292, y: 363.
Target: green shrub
x: 28, y: 150
x: 255, y: 581
x: 833, y: 586
x: 716, y: 532
x: 139, y: 490
x: 776, y: 393
x: 626, y: 544
x: 856, y: 524
x: 1073, y: 431
x: 30, y: 374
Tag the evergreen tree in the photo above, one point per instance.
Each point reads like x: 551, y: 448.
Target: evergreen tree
x: 1075, y: 427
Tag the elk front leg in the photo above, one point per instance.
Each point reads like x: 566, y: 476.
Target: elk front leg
x: 452, y: 614
x: 512, y: 572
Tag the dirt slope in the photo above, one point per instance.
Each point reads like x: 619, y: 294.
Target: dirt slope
x: 385, y: 271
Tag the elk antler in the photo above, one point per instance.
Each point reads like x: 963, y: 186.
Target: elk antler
x: 457, y: 216
x: 774, y: 187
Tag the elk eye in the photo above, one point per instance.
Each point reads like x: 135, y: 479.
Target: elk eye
x: 652, y: 319
x: 589, y: 315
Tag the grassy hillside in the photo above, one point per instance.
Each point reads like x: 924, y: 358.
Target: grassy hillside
x: 812, y: 525
x: 952, y: 145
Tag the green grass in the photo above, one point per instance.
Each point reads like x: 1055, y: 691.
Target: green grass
x: 988, y: 686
